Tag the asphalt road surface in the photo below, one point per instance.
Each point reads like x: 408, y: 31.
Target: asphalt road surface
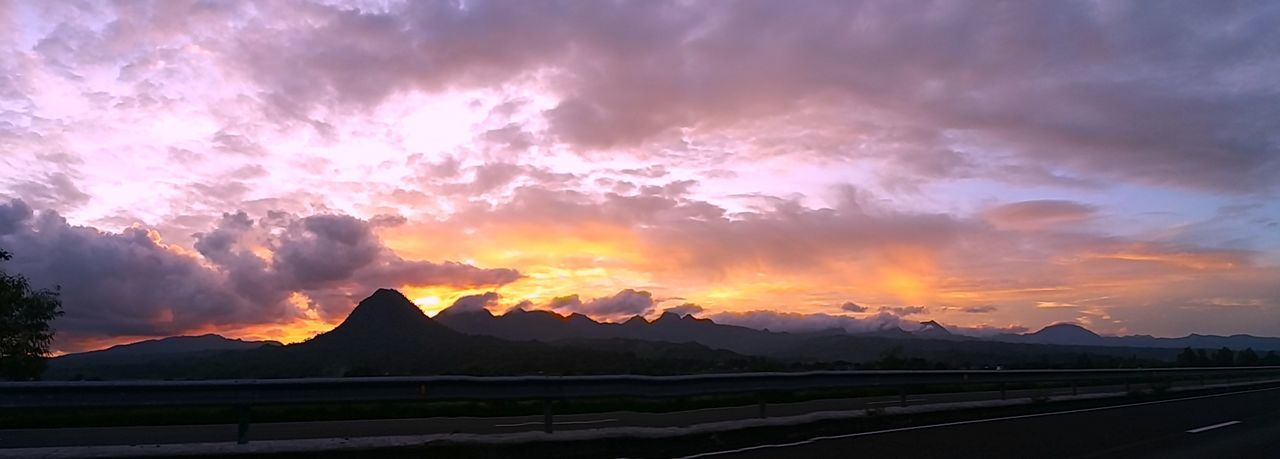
x: 1241, y: 424
x: 141, y: 435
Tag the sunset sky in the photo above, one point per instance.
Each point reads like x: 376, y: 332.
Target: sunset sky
x: 254, y: 169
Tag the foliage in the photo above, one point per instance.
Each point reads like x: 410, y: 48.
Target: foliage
x: 25, y: 334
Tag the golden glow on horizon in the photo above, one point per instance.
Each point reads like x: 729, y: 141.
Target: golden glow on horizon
x: 593, y: 259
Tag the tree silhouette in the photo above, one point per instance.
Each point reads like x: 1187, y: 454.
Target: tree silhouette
x: 1224, y: 357
x: 1202, y: 357
x: 25, y: 334
x: 1248, y: 357
x: 1188, y: 358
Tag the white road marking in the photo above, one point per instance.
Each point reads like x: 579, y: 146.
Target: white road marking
x: 558, y: 423
x: 883, y: 402
x: 1215, y: 426
x: 960, y: 423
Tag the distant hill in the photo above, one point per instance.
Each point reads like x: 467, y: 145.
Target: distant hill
x: 170, y: 345
x: 1077, y: 335
x: 1065, y: 333
x: 149, y: 353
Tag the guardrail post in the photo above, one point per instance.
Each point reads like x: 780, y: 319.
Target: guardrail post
x: 547, y: 424
x: 902, y: 397
x: 1075, y: 389
x: 1003, y: 393
x: 242, y: 430
x: 1127, y: 387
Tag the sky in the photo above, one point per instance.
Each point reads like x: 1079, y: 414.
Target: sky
x: 253, y: 169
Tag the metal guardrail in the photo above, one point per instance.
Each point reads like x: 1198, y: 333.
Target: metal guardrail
x: 246, y: 393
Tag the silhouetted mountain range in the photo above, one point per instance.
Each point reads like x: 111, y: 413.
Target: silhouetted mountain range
x: 548, y: 326
x: 386, y: 334
x: 172, y: 345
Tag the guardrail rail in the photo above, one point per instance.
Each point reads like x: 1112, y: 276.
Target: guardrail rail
x: 244, y: 394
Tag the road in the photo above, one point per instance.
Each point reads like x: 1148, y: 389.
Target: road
x: 137, y: 435
x: 1241, y: 424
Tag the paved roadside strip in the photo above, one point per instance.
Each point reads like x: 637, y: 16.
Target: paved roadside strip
x: 1215, y: 426
x: 351, y: 445
x: 813, y: 440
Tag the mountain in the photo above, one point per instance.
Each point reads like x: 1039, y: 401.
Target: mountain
x: 547, y: 326
x: 149, y: 353
x: 933, y: 330
x: 169, y: 346
x: 1072, y: 334
x: 1066, y: 333
x: 386, y: 334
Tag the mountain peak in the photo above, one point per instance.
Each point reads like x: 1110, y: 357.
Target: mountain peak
x: 667, y: 316
x: 932, y: 328
x: 387, y: 322
x: 1067, y: 328
x: 385, y: 309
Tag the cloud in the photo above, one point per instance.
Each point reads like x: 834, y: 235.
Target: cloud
x: 625, y: 303
x: 1042, y: 214
x: 1054, y: 305
x: 332, y: 258
x: 475, y: 303
x: 902, y: 311
x: 686, y: 309
x: 53, y: 191
x: 125, y: 283
x: 13, y: 215
x: 850, y: 306
x: 983, y: 309
x: 1147, y: 95
x: 131, y: 283
x: 570, y: 302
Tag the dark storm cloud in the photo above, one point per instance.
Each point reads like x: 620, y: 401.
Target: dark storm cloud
x: 123, y: 283
x: 331, y: 258
x: 13, y: 216
x: 131, y: 284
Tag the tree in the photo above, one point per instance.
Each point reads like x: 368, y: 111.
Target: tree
x: 25, y: 334
x: 1248, y: 357
x: 1224, y: 357
x: 1202, y: 357
x: 1188, y: 358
